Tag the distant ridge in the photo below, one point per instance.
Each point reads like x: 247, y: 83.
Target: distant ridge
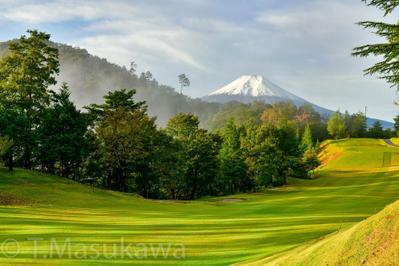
x: 251, y: 88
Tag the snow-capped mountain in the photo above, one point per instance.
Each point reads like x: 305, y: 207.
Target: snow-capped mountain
x: 255, y: 86
x: 250, y: 88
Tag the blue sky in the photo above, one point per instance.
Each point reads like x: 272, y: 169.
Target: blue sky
x: 302, y: 45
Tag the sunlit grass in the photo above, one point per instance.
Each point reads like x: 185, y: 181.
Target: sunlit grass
x: 373, y: 241
x: 353, y: 185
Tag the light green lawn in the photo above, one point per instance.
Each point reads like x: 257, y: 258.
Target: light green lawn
x: 350, y: 187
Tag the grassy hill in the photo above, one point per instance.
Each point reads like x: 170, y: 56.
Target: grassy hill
x: 358, y: 179
x: 374, y: 241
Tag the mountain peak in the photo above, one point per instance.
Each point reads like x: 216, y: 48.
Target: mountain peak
x: 253, y: 86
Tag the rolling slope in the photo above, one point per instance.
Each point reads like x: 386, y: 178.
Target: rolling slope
x: 374, y: 241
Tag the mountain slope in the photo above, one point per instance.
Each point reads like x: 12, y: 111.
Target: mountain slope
x: 90, y: 77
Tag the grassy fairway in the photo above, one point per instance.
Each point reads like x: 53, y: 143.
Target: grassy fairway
x: 360, y: 177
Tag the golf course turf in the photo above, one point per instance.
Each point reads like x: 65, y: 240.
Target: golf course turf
x: 359, y: 177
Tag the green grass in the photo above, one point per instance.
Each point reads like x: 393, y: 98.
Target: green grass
x: 371, y: 242
x: 356, y: 182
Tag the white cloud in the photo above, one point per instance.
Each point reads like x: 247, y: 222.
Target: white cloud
x: 277, y: 20
x: 321, y: 17
x: 117, y: 30
x: 122, y: 48
x: 63, y: 10
x: 214, y: 25
x: 145, y: 35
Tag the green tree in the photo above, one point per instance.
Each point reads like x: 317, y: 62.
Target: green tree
x: 120, y: 99
x: 133, y: 68
x: 388, y: 68
x: 311, y: 159
x: 202, y: 164
x: 183, y: 126
x: 12, y: 127
x: 307, y: 115
x: 26, y: 72
x: 125, y: 134
x: 183, y: 81
x: 243, y: 114
x: 269, y: 165
x: 396, y: 125
x: 389, y: 133
x: 94, y: 167
x: 148, y: 76
x: 62, y: 136
x: 233, y: 170
x: 271, y: 154
x: 282, y: 114
x: 168, y: 165
x: 358, y: 125
x: 376, y: 131
x: 348, y: 124
x: 336, y: 125
x: 307, y: 139
x: 198, y: 155
x: 6, y: 145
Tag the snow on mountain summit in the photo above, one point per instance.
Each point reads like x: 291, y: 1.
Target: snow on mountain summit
x: 253, y: 86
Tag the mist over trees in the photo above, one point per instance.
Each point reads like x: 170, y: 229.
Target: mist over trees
x: 90, y: 77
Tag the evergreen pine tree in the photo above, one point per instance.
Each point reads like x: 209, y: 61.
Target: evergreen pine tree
x: 336, y: 125
x: 233, y: 170
x: 396, y: 126
x: 388, y: 69
x: 307, y: 141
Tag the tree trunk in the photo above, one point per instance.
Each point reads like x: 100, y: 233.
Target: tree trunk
x: 194, y: 189
x: 10, y: 162
x: 26, y: 156
x: 172, y: 191
x: 109, y: 179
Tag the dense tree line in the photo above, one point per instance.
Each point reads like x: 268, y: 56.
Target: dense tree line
x: 117, y: 144
x: 346, y: 126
